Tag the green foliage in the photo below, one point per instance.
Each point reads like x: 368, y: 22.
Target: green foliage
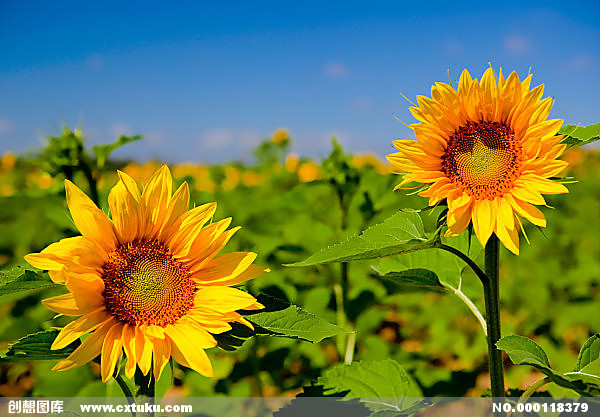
x: 381, y: 385
x: 23, y: 280
x: 400, y: 309
x: 403, y: 232
x: 411, y: 280
x: 590, y: 351
x: 580, y: 135
x: 283, y: 319
x: 524, y: 351
x: 102, y: 152
x: 64, y: 153
x: 35, y: 347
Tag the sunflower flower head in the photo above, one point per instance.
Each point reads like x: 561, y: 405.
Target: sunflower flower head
x: 488, y: 149
x: 147, y: 283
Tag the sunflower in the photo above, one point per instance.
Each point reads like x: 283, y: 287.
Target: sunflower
x: 148, y: 283
x: 489, y: 150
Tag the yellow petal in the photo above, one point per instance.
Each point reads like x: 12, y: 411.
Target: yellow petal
x: 128, y: 338
x: 79, y: 327
x: 87, y: 291
x: 508, y: 236
x: 223, y: 269
x: 67, y: 304
x: 483, y: 220
x: 223, y: 299
x: 143, y: 350
x: 89, y: 219
x: 88, y: 350
x: 78, y: 254
x: 64, y: 304
x: 187, y: 353
x: 177, y: 207
x: 111, y: 351
x: 530, y: 212
x: 156, y: 198
x: 505, y: 213
x: 162, y: 353
x: 126, y: 213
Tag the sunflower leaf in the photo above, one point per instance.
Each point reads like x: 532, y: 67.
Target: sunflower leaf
x: 428, y: 270
x: 524, y: 351
x: 382, y: 385
x: 580, y: 135
x: 410, y: 280
x: 36, y: 346
x: 25, y: 280
x: 403, y: 232
x: 281, y: 318
x: 590, y: 351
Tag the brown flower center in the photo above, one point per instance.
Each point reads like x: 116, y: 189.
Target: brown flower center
x: 144, y: 284
x: 483, y: 158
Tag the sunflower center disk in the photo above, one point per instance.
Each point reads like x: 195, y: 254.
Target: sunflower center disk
x: 144, y: 284
x: 483, y: 158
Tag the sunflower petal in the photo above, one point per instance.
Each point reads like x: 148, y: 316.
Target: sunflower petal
x: 88, y: 350
x: 89, y: 219
x: 79, y: 327
x: 111, y: 351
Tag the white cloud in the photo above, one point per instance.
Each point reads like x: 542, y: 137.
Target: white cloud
x: 6, y: 126
x: 516, y: 44
x: 335, y: 70
x: 217, y: 138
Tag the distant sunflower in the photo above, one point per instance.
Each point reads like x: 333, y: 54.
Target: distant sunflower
x: 488, y: 150
x: 149, y: 282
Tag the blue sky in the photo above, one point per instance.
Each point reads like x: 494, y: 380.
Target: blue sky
x: 206, y: 81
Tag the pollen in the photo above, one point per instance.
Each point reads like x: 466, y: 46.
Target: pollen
x: 483, y: 159
x: 144, y: 284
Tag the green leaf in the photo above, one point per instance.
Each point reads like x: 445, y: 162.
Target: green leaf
x: 102, y: 152
x: 579, y: 136
x: 280, y: 318
x: 403, y: 232
x: 444, y: 269
x: 410, y: 280
x: 590, y: 351
x: 36, y: 346
x: 381, y: 385
x: 24, y: 280
x: 524, y: 351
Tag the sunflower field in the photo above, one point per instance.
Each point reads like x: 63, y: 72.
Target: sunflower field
x: 333, y: 276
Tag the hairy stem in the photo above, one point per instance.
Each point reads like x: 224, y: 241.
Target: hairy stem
x: 145, y: 389
x: 492, y: 310
x: 470, y: 305
x: 480, y: 274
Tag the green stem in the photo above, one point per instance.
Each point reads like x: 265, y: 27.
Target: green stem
x: 492, y: 310
x: 480, y: 274
x: 126, y: 391
x: 145, y: 389
x: 532, y: 389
